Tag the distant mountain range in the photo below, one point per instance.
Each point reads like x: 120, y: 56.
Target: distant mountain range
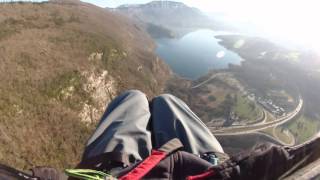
x: 168, y: 14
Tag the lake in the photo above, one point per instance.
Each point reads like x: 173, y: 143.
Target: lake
x: 193, y: 55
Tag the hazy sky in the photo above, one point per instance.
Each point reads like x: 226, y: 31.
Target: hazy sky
x: 201, y: 4
x: 294, y: 20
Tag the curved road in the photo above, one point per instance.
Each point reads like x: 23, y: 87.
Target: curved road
x: 258, y: 127
x: 204, y: 82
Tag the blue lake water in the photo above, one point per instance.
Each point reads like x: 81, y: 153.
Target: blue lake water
x: 193, y: 55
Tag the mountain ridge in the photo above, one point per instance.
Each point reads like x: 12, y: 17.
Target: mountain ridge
x: 156, y: 4
x: 168, y: 14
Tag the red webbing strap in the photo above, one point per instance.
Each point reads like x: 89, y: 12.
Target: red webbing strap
x: 202, y: 176
x: 145, y: 166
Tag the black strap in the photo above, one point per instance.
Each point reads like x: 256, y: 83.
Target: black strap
x: 171, y: 146
x: 9, y: 173
x: 105, y: 161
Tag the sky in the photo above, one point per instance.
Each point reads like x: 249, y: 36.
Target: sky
x: 292, y: 20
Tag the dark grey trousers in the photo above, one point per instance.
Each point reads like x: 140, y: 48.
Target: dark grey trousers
x: 129, y: 122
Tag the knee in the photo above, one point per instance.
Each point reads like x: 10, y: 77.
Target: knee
x: 134, y: 92
x: 169, y: 98
x: 134, y: 96
x: 166, y: 97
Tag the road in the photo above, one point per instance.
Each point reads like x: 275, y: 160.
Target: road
x: 204, y: 82
x: 260, y: 126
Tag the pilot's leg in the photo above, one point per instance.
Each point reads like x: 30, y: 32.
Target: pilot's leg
x: 123, y: 128
x: 172, y: 118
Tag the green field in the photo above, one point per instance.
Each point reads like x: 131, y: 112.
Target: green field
x: 279, y: 133
x: 303, y: 128
x: 269, y: 116
x: 246, y: 109
x: 268, y: 131
x: 282, y: 136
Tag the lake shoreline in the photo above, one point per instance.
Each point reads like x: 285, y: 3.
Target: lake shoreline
x: 195, y: 54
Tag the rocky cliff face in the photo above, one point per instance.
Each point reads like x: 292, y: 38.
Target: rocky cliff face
x: 61, y: 63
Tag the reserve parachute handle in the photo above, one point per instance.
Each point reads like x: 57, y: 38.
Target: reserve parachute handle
x: 88, y: 174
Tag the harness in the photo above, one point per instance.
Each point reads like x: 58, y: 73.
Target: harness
x: 138, y: 171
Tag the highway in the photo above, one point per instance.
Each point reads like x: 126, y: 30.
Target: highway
x: 259, y: 126
x: 204, y: 82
